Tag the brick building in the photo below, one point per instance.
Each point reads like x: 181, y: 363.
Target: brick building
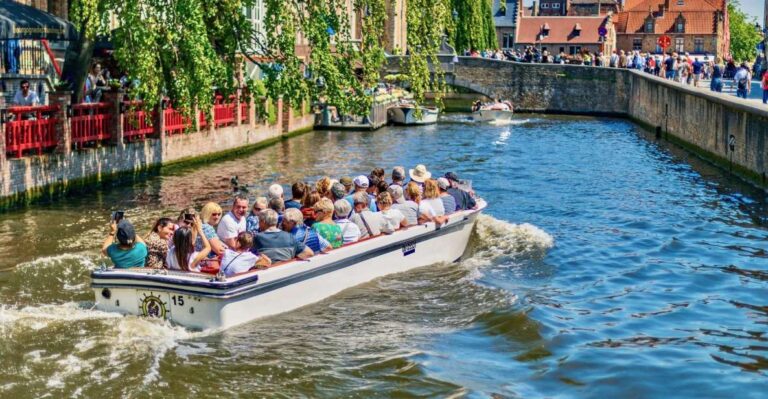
x: 551, y: 8
x: 569, y: 35
x: 590, y: 7
x: 505, y: 16
x: 695, y: 26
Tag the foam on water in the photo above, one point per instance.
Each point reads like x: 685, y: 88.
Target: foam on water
x: 493, y: 237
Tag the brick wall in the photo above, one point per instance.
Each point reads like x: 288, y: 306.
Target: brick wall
x: 711, y: 44
x: 23, y: 179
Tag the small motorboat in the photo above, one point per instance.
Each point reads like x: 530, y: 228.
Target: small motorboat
x: 405, y: 114
x: 204, y: 301
x: 489, y: 112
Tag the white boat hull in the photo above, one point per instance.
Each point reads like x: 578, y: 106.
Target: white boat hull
x: 196, y: 301
x: 485, y: 115
x: 407, y: 116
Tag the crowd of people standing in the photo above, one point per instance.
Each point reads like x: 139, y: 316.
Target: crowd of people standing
x: 682, y: 67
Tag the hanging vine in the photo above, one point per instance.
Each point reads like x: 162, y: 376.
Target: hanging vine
x: 309, y: 50
x: 429, y: 21
x: 475, y: 29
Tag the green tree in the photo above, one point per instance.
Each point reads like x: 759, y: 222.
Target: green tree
x: 474, y: 25
x: 744, y: 36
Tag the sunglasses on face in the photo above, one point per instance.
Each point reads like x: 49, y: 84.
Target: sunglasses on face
x: 216, y: 214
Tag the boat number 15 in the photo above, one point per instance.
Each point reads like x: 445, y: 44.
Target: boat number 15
x: 409, y: 247
x: 178, y: 300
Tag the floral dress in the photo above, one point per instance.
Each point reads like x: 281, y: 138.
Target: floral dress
x: 157, y: 250
x: 331, y: 232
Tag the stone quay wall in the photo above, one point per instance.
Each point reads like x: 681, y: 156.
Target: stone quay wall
x: 721, y: 128
x: 34, y: 177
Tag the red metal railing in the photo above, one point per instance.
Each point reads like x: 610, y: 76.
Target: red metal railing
x: 137, y: 123
x: 224, y: 113
x: 203, y: 122
x: 243, y: 112
x: 175, y: 122
x: 32, y: 128
x: 90, y: 123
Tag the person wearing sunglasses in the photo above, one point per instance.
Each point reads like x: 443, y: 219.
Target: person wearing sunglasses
x: 252, y: 220
x: 211, y: 215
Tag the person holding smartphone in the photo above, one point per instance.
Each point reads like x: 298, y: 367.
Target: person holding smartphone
x: 122, y: 245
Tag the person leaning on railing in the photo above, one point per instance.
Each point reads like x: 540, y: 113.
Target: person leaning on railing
x: 123, y: 246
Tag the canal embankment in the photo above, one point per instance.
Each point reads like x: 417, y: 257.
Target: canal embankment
x: 109, y: 143
x: 723, y: 129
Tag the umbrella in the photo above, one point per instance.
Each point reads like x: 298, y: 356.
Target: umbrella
x: 19, y: 21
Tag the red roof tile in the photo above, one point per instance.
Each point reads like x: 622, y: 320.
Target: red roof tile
x: 700, y: 16
x: 561, y: 29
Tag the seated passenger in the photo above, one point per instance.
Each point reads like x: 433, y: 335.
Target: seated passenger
x: 182, y: 254
x: 324, y: 224
x: 338, y: 191
x: 449, y: 203
x: 432, y: 197
x: 293, y: 223
x: 210, y: 215
x: 298, y: 190
x: 425, y: 212
x: 346, y: 181
x: 240, y: 259
x: 370, y: 223
x: 252, y: 221
x: 123, y: 246
x: 276, y: 244
x: 308, y: 207
x: 463, y: 198
x: 419, y: 175
x: 393, y: 217
x: 408, y: 208
x: 233, y: 223
x: 361, y: 186
x: 398, y: 176
x: 157, y: 243
x: 275, y: 191
x: 323, y: 187
x: 349, y: 230
x: 277, y: 205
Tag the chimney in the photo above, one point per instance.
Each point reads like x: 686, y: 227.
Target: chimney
x: 535, y: 9
x: 666, y: 5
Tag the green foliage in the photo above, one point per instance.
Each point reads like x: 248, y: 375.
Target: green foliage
x: 428, y: 21
x: 744, y: 36
x: 474, y: 25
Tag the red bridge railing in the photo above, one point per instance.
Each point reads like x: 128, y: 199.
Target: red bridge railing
x: 224, y: 113
x: 31, y: 128
x: 90, y: 123
x: 175, y: 122
x: 137, y: 123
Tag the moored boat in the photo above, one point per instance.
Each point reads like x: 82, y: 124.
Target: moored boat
x: 405, y: 114
x: 203, y: 301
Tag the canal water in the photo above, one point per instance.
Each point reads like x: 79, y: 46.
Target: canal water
x: 608, y: 265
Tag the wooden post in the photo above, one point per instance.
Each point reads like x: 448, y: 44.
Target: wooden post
x: 287, y: 117
x: 62, y: 99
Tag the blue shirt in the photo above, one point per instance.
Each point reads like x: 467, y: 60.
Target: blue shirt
x: 292, y: 204
x: 277, y: 245
x: 312, y: 240
x: 210, y: 233
x: 123, y: 259
x: 697, y: 65
x: 371, y: 202
x: 252, y: 224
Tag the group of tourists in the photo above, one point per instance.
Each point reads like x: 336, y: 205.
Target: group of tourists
x: 317, y: 218
x: 682, y: 68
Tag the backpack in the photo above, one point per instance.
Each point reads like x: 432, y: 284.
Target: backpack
x: 743, y: 82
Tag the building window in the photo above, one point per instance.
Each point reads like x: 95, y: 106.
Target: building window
x: 562, y: 50
x: 649, y: 26
x: 545, y: 5
x: 679, y: 44
x: 659, y: 50
x: 556, y: 5
x: 698, y: 45
x: 637, y: 43
x: 680, y: 27
x: 507, y: 40
x: 573, y: 50
x: 681, y: 2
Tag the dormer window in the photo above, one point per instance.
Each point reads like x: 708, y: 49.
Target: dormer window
x: 649, y: 25
x: 545, y: 30
x: 577, y: 30
x: 680, y: 24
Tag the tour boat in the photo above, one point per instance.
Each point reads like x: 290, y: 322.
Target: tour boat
x: 498, y: 111
x: 405, y: 114
x: 204, y: 301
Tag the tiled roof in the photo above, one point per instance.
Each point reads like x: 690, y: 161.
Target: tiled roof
x: 700, y: 16
x: 561, y: 29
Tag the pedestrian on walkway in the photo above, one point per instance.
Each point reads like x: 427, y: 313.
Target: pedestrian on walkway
x: 743, y: 81
x: 765, y: 86
x: 717, y: 77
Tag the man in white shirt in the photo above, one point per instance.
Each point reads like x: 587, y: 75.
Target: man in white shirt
x: 25, y: 97
x: 233, y: 223
x: 370, y: 223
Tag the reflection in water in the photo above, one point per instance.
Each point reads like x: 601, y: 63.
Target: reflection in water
x: 609, y: 265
